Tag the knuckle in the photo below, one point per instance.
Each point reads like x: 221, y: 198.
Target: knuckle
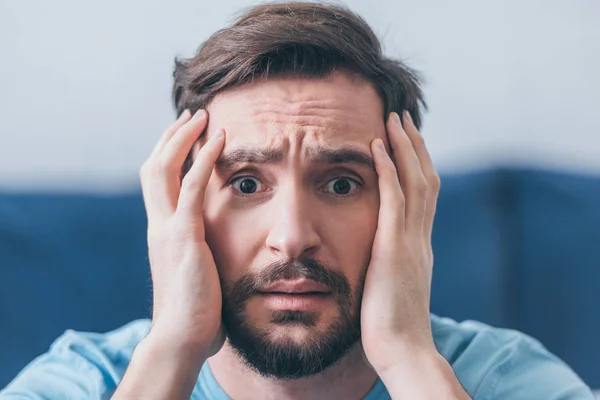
x: 189, y: 182
x: 144, y: 170
x: 435, y: 183
x: 399, y: 199
x: 150, y: 171
x: 145, y: 180
x: 162, y: 167
x: 419, y: 140
x: 390, y: 170
x: 421, y: 186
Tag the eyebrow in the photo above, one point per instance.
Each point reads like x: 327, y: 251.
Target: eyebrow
x: 244, y: 155
x: 344, y: 155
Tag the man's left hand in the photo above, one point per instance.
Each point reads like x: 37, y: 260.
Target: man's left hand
x: 395, y: 321
x: 395, y: 306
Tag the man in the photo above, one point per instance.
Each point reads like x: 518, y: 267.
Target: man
x: 290, y: 210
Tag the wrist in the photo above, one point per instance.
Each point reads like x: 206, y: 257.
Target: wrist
x: 400, y: 349
x: 409, y: 359
x: 161, y: 368
x: 419, y: 373
x: 163, y: 346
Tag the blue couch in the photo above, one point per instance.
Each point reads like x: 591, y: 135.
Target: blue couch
x: 514, y: 248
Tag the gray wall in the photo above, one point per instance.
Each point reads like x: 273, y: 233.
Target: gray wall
x: 85, y: 86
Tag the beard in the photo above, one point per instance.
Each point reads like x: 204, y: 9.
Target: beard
x: 285, y: 358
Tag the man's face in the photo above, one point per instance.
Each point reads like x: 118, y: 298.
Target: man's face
x: 292, y: 207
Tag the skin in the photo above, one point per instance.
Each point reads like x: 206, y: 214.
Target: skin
x: 293, y: 214
x: 296, y: 213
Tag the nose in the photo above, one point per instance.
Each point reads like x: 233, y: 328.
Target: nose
x: 293, y: 233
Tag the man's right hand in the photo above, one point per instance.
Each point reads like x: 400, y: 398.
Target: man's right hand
x: 186, y: 321
x: 187, y: 292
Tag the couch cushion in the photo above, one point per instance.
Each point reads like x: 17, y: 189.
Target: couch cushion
x: 468, y: 241
x: 556, y: 265
x: 67, y: 261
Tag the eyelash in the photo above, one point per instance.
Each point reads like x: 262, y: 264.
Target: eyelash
x: 233, y: 181
x: 354, y: 181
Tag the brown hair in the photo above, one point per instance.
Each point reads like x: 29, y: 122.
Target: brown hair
x: 303, y: 39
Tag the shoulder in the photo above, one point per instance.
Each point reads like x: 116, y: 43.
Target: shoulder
x: 80, y: 364
x: 493, y: 363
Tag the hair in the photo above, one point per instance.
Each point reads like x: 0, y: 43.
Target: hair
x: 294, y: 39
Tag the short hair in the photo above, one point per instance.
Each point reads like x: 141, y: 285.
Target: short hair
x: 294, y: 39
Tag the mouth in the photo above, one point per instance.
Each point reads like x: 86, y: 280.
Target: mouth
x: 296, y: 287
x: 295, y: 295
x: 295, y: 299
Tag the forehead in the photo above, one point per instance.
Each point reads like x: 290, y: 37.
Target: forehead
x: 339, y: 110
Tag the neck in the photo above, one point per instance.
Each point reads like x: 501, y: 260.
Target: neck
x: 350, y: 378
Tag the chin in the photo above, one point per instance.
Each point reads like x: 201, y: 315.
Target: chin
x: 293, y: 334
x: 292, y: 350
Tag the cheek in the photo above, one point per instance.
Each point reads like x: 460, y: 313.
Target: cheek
x: 230, y: 236
x: 349, y: 232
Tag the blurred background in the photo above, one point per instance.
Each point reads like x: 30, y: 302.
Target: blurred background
x: 513, y: 127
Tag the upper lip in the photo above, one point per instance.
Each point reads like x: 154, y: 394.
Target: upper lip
x: 296, y: 286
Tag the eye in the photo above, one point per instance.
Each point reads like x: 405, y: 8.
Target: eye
x: 342, y: 186
x: 247, y: 185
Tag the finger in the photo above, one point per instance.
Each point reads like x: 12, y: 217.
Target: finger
x: 193, y: 186
x: 410, y: 174
x: 168, y: 134
x: 391, y: 199
x: 148, y: 168
x: 432, y: 177
x: 165, y: 170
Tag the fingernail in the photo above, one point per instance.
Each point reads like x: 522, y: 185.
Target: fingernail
x: 408, y: 117
x: 218, y: 135
x: 199, y: 114
x: 185, y: 114
x: 380, y: 145
x: 397, y: 119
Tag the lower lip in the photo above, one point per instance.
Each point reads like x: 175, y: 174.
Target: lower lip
x: 295, y: 302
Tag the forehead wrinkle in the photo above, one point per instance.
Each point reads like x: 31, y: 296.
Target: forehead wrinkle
x: 303, y: 106
x: 293, y: 114
x: 328, y: 114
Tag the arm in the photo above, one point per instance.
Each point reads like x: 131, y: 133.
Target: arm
x: 161, y: 369
x: 528, y: 370
x: 422, y: 374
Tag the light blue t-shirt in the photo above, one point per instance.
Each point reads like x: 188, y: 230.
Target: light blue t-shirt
x: 490, y: 363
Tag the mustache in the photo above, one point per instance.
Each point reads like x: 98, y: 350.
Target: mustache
x: 253, y: 283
